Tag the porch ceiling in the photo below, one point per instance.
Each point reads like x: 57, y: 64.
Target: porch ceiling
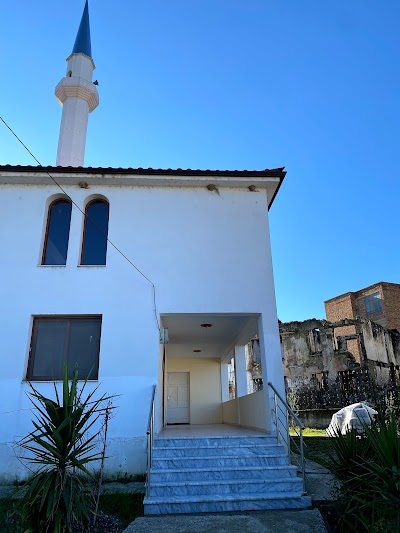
x: 186, y: 334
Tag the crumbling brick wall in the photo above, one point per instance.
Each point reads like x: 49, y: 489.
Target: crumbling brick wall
x: 341, y: 307
x: 391, y: 299
x: 326, y: 368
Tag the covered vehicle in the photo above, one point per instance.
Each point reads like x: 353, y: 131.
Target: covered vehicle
x: 351, y: 417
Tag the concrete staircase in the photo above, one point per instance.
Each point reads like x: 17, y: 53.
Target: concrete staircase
x: 216, y: 474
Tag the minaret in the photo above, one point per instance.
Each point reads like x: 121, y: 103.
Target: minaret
x: 78, y: 96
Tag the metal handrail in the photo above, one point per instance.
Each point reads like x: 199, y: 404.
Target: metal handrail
x: 150, y: 442
x: 285, y: 437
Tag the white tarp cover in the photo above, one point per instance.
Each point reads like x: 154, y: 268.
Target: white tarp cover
x: 351, y: 417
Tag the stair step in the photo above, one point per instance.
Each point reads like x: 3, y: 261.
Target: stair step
x: 224, y: 503
x: 226, y: 487
x: 219, y: 450
x: 240, y: 473
x: 219, y: 461
x: 214, y: 441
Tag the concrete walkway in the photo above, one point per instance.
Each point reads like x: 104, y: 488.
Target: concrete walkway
x: 321, y: 484
x: 254, y: 522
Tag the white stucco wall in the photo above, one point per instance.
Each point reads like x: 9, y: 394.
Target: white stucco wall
x: 247, y: 411
x: 204, y: 385
x: 192, y: 243
x: 230, y: 412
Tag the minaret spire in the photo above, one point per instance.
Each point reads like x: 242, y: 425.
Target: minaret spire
x: 82, y: 42
x: 78, y: 96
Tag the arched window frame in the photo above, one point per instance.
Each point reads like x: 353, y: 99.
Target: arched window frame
x: 89, y: 202
x: 50, y: 207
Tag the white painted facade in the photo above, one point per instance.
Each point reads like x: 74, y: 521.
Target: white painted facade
x: 208, y: 256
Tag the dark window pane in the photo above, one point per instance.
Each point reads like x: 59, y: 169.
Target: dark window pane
x: 48, y: 348
x: 96, y: 229
x: 55, y: 340
x: 84, y: 346
x: 56, y: 244
x: 373, y: 303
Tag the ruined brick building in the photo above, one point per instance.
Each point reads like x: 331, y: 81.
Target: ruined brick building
x: 353, y: 355
x: 379, y: 303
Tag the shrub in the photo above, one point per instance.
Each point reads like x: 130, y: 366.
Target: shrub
x: 368, y: 466
x: 60, y: 492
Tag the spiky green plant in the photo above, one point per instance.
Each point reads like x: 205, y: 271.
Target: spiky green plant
x: 369, y: 467
x: 59, y: 494
x: 348, y: 453
x: 382, y: 472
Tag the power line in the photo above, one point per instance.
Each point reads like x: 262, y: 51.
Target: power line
x: 87, y: 218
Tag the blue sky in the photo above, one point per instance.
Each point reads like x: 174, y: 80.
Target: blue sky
x: 227, y: 84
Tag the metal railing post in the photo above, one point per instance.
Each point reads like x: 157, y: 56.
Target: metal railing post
x: 303, y: 470
x: 148, y: 465
x: 280, y: 435
x: 276, y: 417
x: 150, y: 442
x: 288, y: 434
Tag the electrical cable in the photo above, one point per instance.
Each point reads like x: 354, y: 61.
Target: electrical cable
x: 87, y: 218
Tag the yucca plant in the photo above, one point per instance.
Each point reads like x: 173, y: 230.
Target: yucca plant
x: 368, y: 466
x: 349, y: 451
x: 60, y: 494
x: 383, y: 471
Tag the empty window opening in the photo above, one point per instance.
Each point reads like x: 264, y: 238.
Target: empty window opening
x: 314, y: 341
x: 232, y: 379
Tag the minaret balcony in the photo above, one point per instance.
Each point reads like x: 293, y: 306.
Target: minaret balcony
x: 73, y: 87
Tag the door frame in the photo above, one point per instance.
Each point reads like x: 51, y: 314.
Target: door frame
x: 165, y: 395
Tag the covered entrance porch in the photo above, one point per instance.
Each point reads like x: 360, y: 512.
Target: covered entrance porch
x: 216, y: 448
x: 211, y: 377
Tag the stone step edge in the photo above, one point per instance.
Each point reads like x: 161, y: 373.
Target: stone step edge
x: 224, y: 498
x: 213, y: 457
x: 193, y: 437
x: 215, y: 446
x: 223, y: 469
x: 218, y: 437
x: 214, y: 482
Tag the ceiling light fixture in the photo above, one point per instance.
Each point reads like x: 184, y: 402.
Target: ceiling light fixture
x: 206, y: 325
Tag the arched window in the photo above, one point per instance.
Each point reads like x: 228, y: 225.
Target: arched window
x: 57, y: 233
x: 94, y: 246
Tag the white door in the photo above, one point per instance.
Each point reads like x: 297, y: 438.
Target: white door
x: 178, y: 398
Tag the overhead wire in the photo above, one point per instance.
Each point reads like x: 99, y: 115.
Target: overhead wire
x: 87, y: 218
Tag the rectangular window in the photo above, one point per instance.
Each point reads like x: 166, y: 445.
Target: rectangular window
x: 373, y: 303
x: 64, y: 338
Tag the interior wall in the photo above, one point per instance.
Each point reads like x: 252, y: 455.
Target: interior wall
x: 205, y: 387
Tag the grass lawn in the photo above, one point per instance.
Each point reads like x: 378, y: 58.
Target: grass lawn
x: 310, y: 432
x: 125, y: 507
x: 316, y: 445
